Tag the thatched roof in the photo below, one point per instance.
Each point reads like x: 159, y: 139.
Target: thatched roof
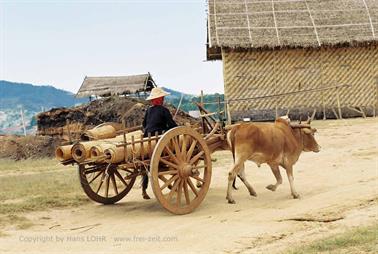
x: 271, y: 24
x: 115, y: 85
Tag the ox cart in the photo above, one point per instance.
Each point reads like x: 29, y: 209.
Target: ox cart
x: 177, y: 162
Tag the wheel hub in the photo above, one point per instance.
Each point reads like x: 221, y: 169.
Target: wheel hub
x: 186, y: 170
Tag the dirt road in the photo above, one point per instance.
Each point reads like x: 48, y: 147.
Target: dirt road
x: 338, y: 188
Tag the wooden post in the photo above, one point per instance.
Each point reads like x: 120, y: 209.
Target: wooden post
x: 124, y: 138
x: 338, y: 103
x: 219, y: 109
x: 229, y: 120
x: 149, y: 145
x: 142, y: 147
x: 178, y: 107
x: 202, y: 119
x: 362, y: 112
x: 376, y: 97
x: 69, y: 131
x: 334, y: 111
x: 313, y: 114
x: 23, y: 121
x: 322, y: 84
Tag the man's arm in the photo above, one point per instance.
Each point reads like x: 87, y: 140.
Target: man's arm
x: 145, y: 120
x: 170, y: 122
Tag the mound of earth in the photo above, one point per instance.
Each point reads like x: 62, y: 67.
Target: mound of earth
x: 25, y: 147
x: 60, y: 121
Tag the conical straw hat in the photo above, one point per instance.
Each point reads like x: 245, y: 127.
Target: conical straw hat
x: 156, y: 93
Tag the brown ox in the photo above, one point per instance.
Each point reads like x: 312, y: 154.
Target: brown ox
x: 277, y: 144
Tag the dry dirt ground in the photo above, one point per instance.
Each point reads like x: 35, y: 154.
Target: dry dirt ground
x: 338, y: 188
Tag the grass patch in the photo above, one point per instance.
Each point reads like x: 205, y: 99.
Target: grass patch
x: 43, y: 189
x: 360, y: 240
x: 21, y: 166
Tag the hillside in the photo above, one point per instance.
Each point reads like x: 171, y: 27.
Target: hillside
x: 187, y: 101
x: 32, y: 100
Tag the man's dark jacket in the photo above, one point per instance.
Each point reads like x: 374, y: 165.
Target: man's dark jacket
x: 157, y: 118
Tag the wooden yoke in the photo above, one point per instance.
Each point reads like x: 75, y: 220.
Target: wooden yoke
x: 213, y: 129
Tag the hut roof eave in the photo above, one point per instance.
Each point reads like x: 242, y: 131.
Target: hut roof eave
x: 215, y: 53
x: 115, y: 85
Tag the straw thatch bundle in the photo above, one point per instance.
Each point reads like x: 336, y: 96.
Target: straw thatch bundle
x: 240, y: 24
x: 102, y: 131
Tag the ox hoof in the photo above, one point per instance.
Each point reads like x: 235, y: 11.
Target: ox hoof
x: 271, y: 187
x: 145, y: 196
x: 199, y: 185
x: 231, y: 201
x: 253, y: 194
x: 296, y: 196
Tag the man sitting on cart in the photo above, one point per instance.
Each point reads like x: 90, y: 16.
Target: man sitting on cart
x: 157, y: 119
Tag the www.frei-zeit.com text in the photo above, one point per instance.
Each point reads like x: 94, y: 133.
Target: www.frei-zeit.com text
x: 97, y: 238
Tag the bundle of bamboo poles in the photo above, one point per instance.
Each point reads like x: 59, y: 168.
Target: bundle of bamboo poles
x: 102, y: 131
x: 95, y: 149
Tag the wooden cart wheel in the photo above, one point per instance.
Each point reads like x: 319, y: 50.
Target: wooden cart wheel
x: 180, y: 159
x: 106, y: 183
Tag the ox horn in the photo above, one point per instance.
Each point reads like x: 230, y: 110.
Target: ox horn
x: 300, y: 125
x: 308, y: 120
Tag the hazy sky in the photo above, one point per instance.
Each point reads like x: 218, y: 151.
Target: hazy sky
x: 60, y: 42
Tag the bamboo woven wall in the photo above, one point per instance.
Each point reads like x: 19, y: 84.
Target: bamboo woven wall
x: 250, y: 74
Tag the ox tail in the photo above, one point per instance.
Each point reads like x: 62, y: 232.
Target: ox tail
x: 231, y: 143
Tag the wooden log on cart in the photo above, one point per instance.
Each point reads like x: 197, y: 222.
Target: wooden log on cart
x: 82, y: 151
x: 116, y: 152
x: 63, y: 153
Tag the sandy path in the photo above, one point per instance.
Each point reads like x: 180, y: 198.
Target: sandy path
x: 338, y: 183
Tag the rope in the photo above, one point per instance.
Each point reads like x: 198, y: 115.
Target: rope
x: 368, y: 13
x: 275, y: 23
x: 313, y: 23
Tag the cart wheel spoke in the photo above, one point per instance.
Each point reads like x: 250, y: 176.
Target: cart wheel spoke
x: 165, y: 185
x: 172, y: 155
x: 97, y: 188
x: 102, y: 180
x: 196, y: 157
x: 192, y: 187
x: 120, y: 177
x: 198, y: 178
x: 107, y: 186
x: 186, y: 191
x: 168, y: 172
x: 178, y: 201
x: 185, y: 147
x: 191, y: 149
x: 173, y: 190
x: 171, y: 164
x: 112, y: 178
x: 177, y: 148
x: 96, y: 176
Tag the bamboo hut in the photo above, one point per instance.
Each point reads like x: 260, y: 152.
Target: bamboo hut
x: 317, y: 56
x: 106, y: 86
